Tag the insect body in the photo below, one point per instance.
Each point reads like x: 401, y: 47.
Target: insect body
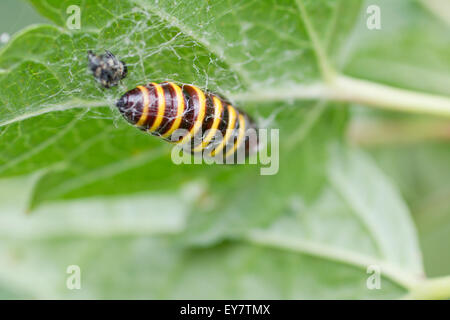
x: 186, y: 115
x: 106, y: 68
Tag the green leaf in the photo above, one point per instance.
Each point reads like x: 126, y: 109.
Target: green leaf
x: 412, y: 43
x: 421, y: 172
x: 86, y: 144
x: 320, y: 250
x: 310, y: 231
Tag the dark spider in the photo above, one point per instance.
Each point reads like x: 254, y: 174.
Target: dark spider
x: 106, y: 68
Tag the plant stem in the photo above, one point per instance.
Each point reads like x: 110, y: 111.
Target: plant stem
x: 272, y: 240
x: 437, y: 288
x: 385, y: 97
x: 440, y: 8
x: 324, y: 65
x: 346, y: 89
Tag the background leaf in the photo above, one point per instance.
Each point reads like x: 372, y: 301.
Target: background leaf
x: 107, y: 198
x: 414, y: 44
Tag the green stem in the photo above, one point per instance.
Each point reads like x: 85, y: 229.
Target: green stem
x: 417, y: 287
x: 346, y: 89
x: 385, y: 97
x: 321, y: 56
x: 440, y: 8
x: 437, y: 288
x: 331, y: 253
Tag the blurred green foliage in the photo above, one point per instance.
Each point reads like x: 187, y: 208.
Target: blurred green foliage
x: 15, y: 15
x: 107, y: 198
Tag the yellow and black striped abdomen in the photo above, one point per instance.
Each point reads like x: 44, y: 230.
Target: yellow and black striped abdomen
x: 189, y: 116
